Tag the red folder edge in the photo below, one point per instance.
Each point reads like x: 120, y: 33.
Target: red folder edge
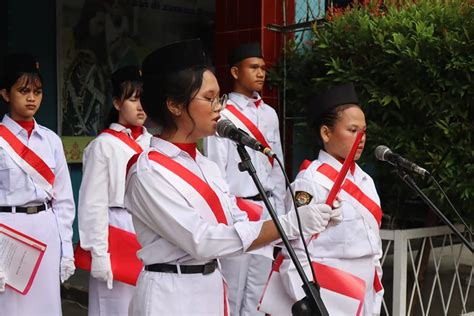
x: 123, y: 247
x: 254, y: 211
x: 38, y: 262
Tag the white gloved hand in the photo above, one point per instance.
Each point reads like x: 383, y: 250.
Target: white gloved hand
x: 336, y: 214
x: 3, y: 280
x: 67, y: 268
x: 101, y: 269
x: 314, y: 219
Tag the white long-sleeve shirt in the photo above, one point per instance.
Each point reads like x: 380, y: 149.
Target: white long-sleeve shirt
x: 224, y: 153
x: 103, y: 185
x: 18, y: 189
x: 168, y: 228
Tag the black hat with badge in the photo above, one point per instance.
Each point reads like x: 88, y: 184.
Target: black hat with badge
x: 16, y: 64
x: 244, y: 51
x: 174, y: 57
x: 331, y: 98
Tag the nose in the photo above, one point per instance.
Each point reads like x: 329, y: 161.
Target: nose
x: 31, y: 96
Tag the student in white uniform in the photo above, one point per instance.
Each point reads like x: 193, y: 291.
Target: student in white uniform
x: 247, y: 274
x: 103, y: 187
x: 35, y: 194
x: 182, y: 211
x: 353, y: 246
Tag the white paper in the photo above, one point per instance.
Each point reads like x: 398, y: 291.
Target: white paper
x: 19, y: 256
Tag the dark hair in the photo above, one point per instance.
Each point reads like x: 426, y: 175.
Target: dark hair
x: 33, y: 78
x: 180, y: 87
x: 329, y: 118
x: 122, y: 92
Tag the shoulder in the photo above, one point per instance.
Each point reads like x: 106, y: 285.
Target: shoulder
x: 50, y: 136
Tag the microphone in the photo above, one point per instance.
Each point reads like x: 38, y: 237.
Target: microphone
x: 227, y: 129
x: 383, y: 153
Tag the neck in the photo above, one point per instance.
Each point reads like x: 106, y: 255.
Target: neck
x: 242, y: 90
x: 20, y: 118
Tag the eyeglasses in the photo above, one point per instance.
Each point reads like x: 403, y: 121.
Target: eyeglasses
x: 216, y: 103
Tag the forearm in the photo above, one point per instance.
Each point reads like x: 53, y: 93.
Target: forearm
x: 268, y: 233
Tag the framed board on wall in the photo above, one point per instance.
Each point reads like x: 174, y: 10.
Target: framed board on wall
x: 96, y: 37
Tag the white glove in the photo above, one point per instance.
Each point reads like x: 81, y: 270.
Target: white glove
x: 3, y: 280
x: 336, y: 213
x: 101, y: 269
x: 67, y: 268
x: 314, y: 219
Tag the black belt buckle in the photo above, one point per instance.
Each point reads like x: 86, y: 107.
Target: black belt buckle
x: 209, y: 268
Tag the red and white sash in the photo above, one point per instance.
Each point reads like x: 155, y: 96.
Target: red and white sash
x: 241, y: 121
x: 27, y: 160
x: 342, y: 292
x: 124, y: 139
x: 194, y: 189
x: 369, y: 209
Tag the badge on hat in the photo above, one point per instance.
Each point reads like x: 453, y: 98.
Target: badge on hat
x: 244, y: 51
x: 302, y: 198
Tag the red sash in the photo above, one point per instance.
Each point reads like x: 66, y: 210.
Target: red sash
x: 353, y: 190
x: 124, y: 138
x: 251, y: 126
x: 29, y: 156
x: 201, y: 187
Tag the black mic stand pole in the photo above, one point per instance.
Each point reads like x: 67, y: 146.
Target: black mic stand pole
x: 316, y: 306
x: 411, y: 184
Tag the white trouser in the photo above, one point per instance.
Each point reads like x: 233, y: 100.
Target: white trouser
x: 102, y: 301
x: 43, y: 297
x: 246, y: 276
x: 159, y: 293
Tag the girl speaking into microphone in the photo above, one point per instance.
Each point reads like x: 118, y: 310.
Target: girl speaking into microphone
x: 184, y: 216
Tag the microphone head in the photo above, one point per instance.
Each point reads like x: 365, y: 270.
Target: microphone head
x: 381, y: 151
x: 224, y: 127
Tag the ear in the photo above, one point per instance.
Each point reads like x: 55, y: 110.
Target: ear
x: 325, y: 133
x: 173, y: 107
x: 5, y: 96
x: 234, y: 72
x: 116, y: 103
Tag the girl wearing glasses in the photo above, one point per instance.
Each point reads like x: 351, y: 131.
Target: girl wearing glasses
x: 184, y: 216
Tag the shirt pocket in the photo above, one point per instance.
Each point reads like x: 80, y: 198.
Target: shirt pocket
x: 12, y: 176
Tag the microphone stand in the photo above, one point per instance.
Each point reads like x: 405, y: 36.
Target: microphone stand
x: 411, y: 184
x: 315, y: 304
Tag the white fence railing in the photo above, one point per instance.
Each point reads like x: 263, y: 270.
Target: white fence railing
x: 431, y: 272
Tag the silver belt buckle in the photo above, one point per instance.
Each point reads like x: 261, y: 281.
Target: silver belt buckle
x: 31, y: 210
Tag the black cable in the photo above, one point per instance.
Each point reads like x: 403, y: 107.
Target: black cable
x: 451, y: 204
x: 288, y: 185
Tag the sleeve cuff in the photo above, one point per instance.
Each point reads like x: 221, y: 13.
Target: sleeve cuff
x: 248, y: 232
x: 66, y: 249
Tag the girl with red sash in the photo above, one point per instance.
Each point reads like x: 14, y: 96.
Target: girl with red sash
x: 183, y: 214
x: 101, y: 196
x: 349, y: 249
x: 35, y: 189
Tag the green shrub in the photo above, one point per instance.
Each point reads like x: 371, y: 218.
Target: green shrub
x: 413, y: 67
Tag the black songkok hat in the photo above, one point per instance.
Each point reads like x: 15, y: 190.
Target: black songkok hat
x: 332, y: 98
x: 174, y: 57
x: 127, y: 73
x: 244, y: 51
x: 18, y: 63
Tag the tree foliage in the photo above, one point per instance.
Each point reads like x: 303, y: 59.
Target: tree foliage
x: 413, y: 68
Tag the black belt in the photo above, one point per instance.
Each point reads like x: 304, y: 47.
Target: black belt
x: 258, y: 197
x: 28, y: 209
x: 207, y: 268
